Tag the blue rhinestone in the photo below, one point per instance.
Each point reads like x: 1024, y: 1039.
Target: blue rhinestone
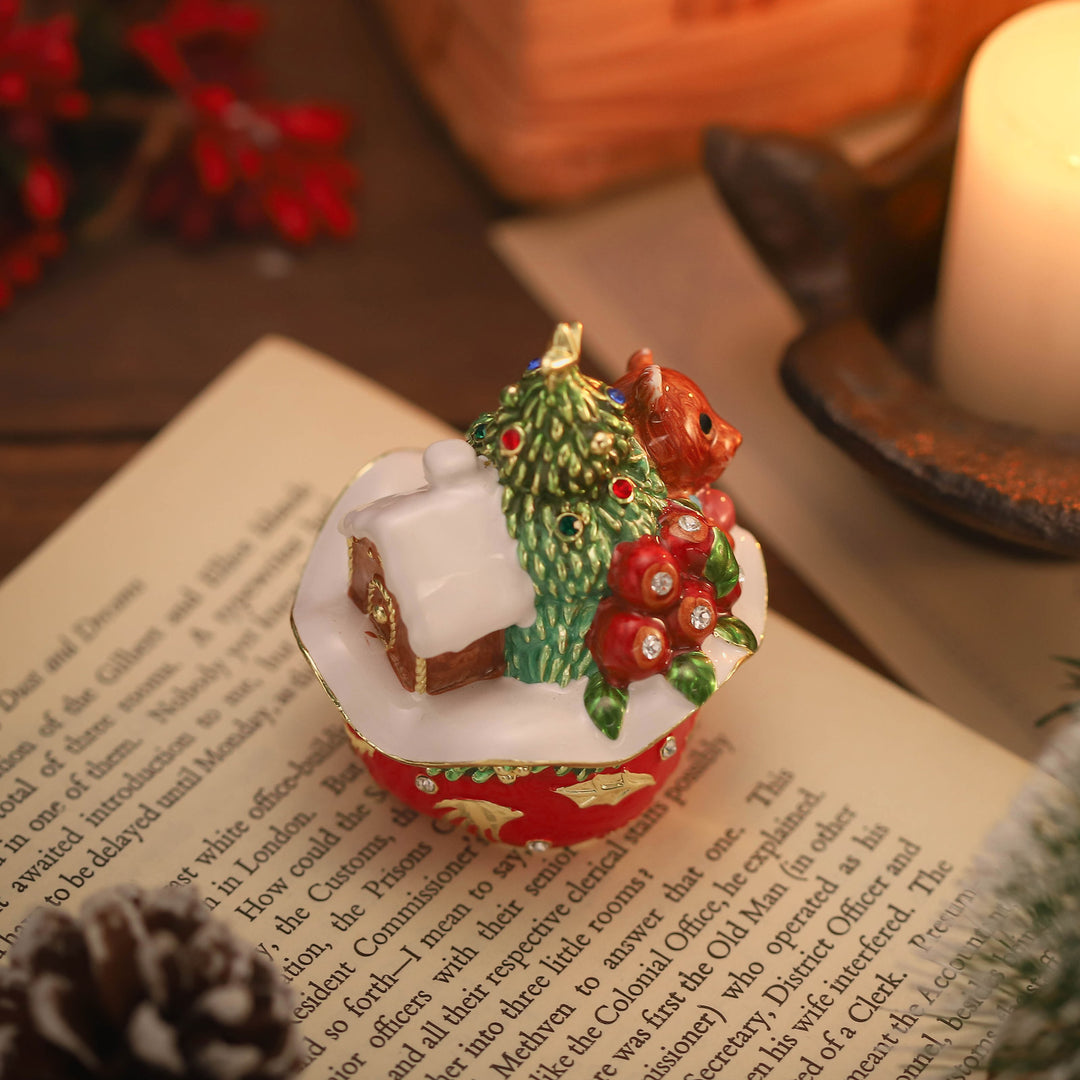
x: 616, y: 395
x: 533, y: 364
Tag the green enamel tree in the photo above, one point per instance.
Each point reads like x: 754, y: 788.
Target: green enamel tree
x: 576, y: 482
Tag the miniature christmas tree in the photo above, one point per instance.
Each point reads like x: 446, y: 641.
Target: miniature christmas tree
x: 576, y: 483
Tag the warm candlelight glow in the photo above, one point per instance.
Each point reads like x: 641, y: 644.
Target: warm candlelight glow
x: 1008, y: 333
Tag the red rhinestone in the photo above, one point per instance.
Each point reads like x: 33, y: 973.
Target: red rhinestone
x: 622, y: 488
x: 510, y: 439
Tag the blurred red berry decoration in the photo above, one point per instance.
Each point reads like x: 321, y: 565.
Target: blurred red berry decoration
x: 39, y: 67
x: 248, y: 162
x: 105, y: 120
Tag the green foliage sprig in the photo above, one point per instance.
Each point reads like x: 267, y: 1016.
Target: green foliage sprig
x: 1026, y: 927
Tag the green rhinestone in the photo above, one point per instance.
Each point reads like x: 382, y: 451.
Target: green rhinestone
x: 570, y: 526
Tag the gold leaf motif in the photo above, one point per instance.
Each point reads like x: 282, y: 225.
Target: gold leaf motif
x: 486, y: 817
x: 509, y: 773
x: 606, y: 789
x: 358, y: 742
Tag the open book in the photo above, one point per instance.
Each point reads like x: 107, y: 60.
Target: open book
x: 769, y: 914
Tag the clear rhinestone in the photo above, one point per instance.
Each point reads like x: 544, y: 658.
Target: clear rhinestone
x: 651, y: 646
x: 426, y: 785
x: 669, y: 747
x: 537, y: 847
x: 701, y: 616
x: 662, y: 583
x: 689, y: 523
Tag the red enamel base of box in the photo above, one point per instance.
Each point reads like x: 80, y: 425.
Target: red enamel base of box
x: 536, y: 808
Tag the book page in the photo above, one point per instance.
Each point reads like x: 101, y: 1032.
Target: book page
x: 704, y: 304
x: 159, y: 725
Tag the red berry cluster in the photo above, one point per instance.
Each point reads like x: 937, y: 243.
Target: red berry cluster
x: 661, y: 604
x: 247, y: 163
x: 22, y: 256
x: 195, y: 22
x: 39, y: 67
x: 208, y: 153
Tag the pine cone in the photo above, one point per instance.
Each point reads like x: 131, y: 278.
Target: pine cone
x: 146, y: 986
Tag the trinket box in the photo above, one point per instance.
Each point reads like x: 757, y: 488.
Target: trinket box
x: 519, y: 626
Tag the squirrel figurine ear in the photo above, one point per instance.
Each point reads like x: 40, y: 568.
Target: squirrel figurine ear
x: 643, y: 358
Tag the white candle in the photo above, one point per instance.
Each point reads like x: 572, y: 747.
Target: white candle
x: 1008, y: 321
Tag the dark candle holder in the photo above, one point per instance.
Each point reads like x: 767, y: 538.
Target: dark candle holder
x: 857, y: 250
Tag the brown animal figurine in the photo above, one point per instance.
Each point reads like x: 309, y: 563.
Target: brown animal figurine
x: 689, y: 444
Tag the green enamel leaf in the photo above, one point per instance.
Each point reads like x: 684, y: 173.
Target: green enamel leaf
x: 693, y: 675
x: 733, y: 629
x: 720, y: 567
x: 606, y: 704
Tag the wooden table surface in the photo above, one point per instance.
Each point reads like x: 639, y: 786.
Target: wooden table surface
x: 118, y: 338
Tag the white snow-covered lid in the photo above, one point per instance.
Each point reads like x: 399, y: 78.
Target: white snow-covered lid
x: 446, y: 554
x: 496, y: 720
